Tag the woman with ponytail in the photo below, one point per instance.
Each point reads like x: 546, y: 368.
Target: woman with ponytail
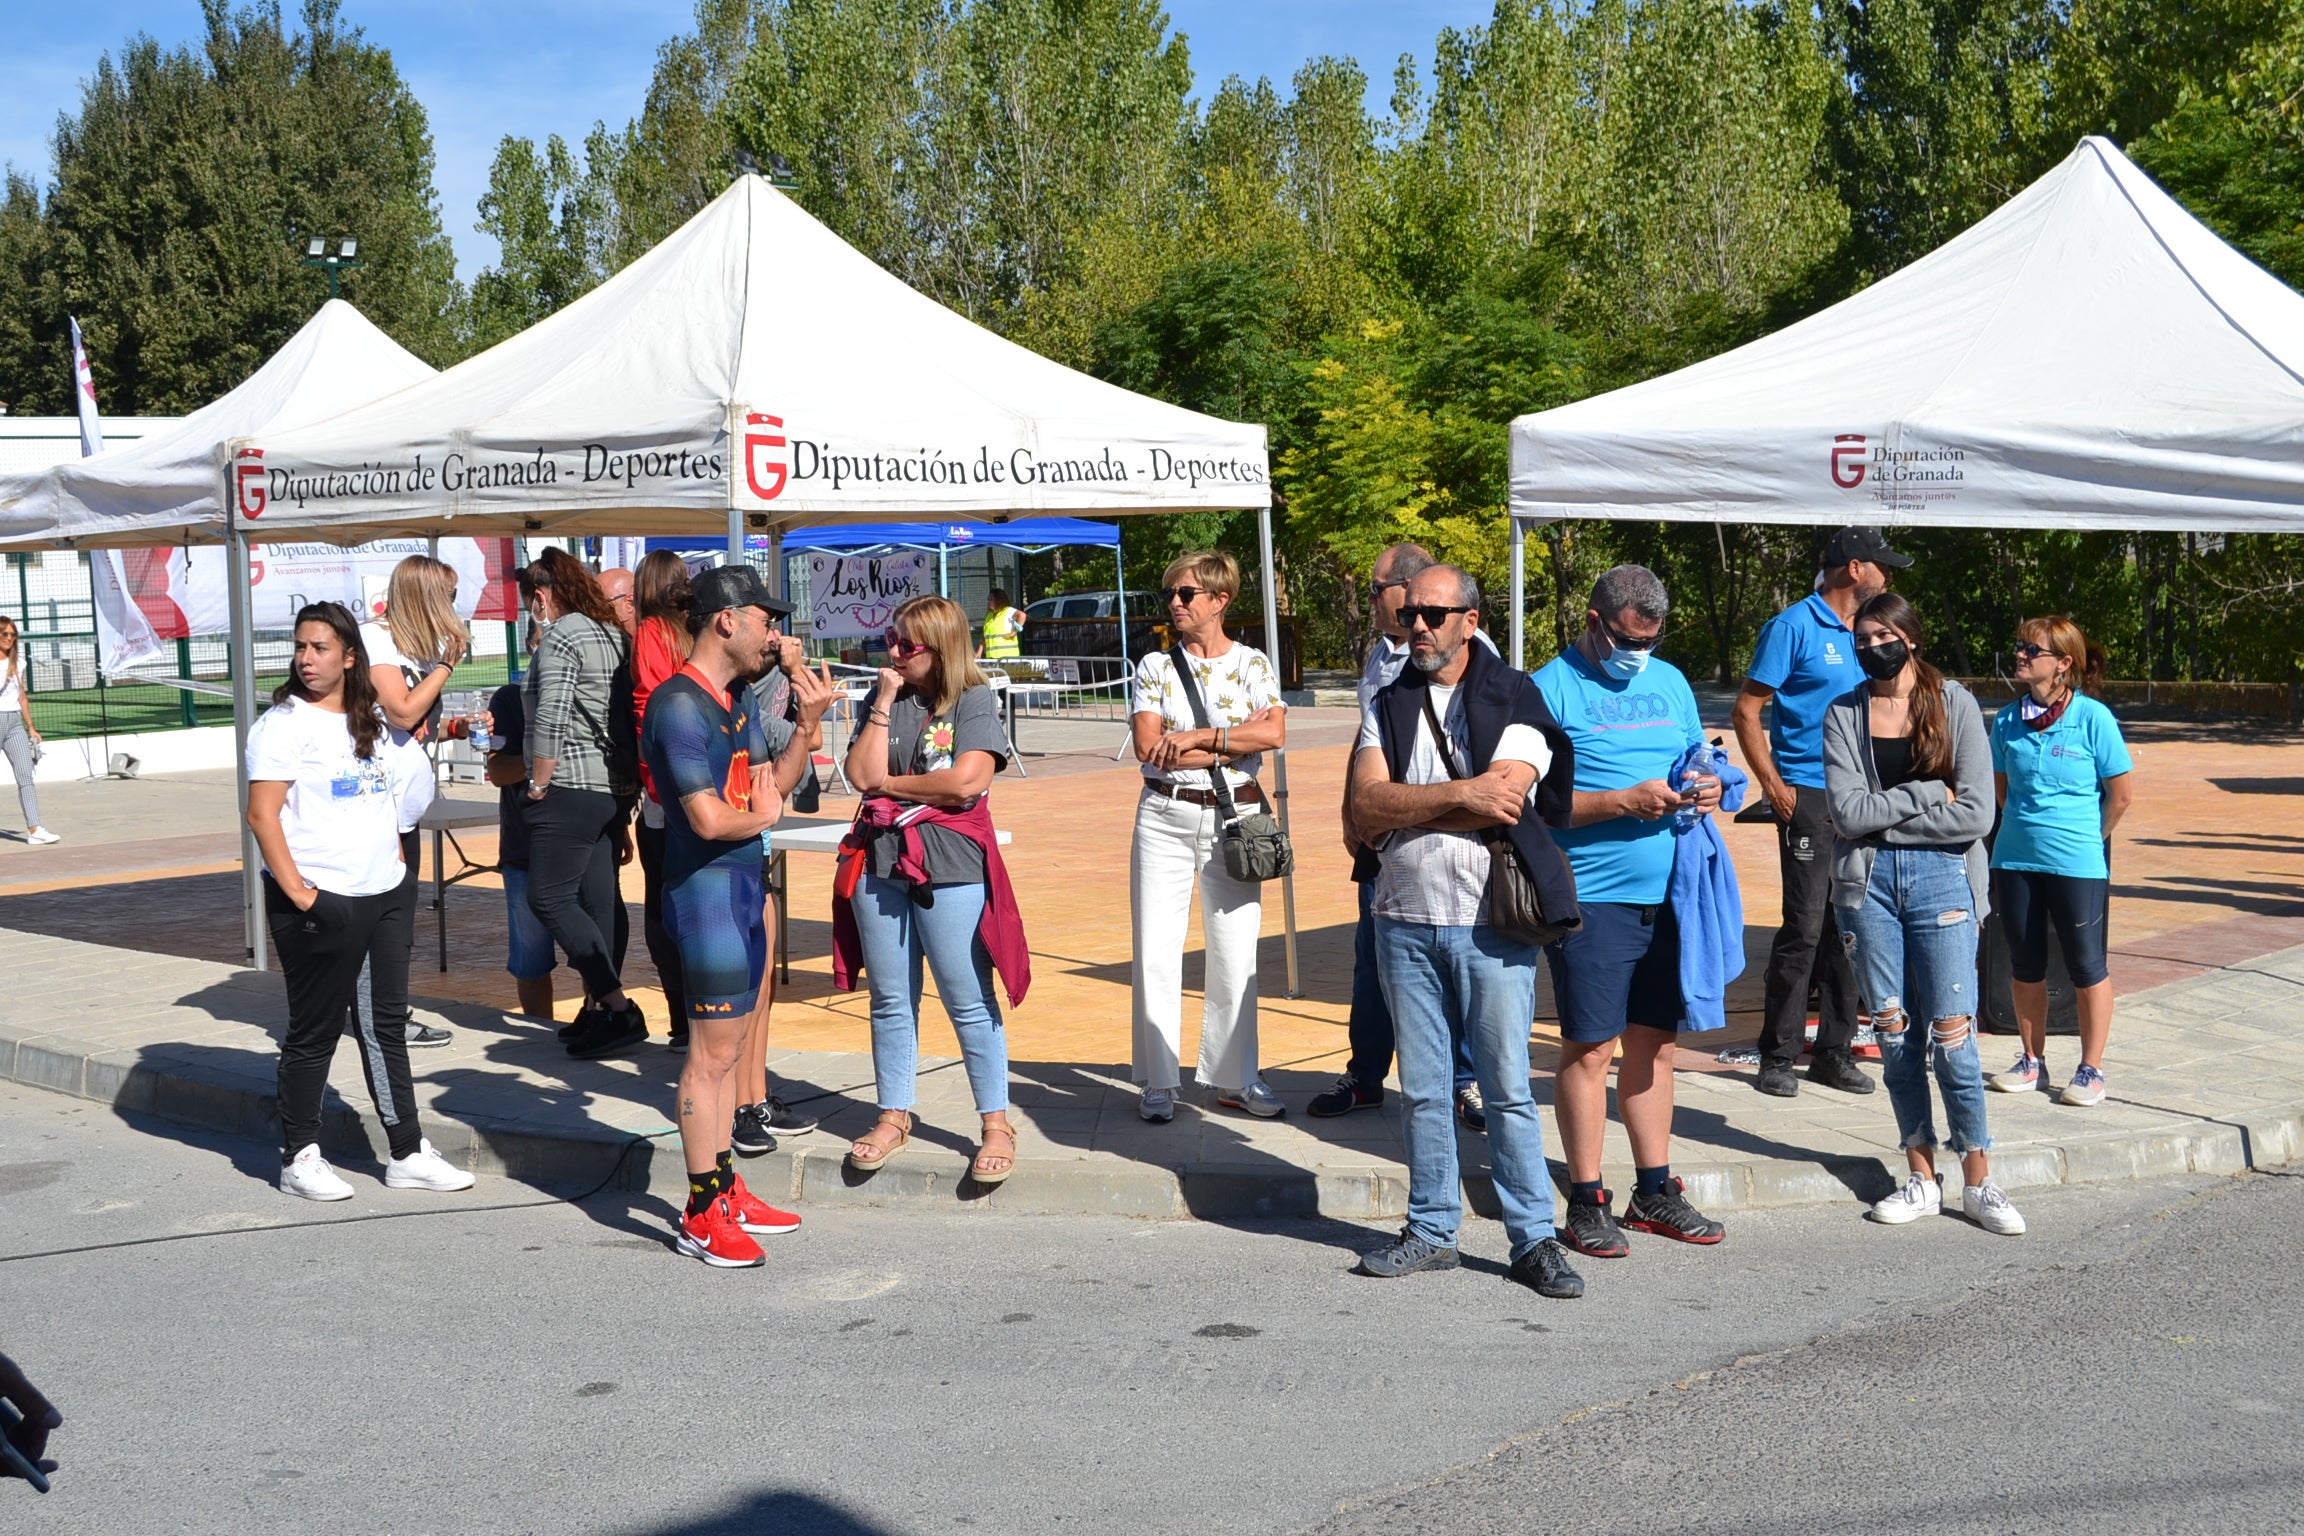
x: 2064, y: 781
x: 1907, y: 775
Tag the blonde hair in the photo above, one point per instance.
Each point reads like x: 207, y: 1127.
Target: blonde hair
x: 16, y: 647
x: 1211, y: 570
x: 420, y: 611
x: 941, y: 625
x: 2059, y: 636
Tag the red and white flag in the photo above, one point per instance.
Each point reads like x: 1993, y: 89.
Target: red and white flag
x: 84, y: 396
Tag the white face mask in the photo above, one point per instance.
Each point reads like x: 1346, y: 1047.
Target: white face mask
x: 1624, y: 664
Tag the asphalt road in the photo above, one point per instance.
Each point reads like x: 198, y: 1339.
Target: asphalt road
x: 502, y: 1361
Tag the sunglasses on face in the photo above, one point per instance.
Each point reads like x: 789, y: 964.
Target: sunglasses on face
x: 2027, y: 651
x: 1624, y: 642
x: 1431, y: 615
x: 899, y: 648
x: 1185, y: 595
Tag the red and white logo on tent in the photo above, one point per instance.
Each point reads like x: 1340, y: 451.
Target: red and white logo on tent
x: 763, y: 456
x: 249, y: 479
x: 1848, y: 460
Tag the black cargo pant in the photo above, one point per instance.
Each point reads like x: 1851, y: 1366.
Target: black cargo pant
x: 1807, y: 947
x: 321, y: 954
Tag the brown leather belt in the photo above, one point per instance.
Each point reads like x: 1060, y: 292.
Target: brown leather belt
x: 1250, y: 793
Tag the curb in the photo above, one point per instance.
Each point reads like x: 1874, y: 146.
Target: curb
x: 649, y: 1162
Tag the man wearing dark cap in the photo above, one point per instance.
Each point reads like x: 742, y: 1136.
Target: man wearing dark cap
x: 1805, y: 658
x: 709, y: 757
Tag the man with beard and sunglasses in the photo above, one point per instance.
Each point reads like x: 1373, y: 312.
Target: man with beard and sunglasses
x: 1806, y: 658
x: 1458, y: 746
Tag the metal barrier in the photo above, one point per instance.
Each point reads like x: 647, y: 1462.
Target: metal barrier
x: 1068, y: 687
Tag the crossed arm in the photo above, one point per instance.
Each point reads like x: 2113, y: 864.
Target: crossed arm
x: 1496, y: 797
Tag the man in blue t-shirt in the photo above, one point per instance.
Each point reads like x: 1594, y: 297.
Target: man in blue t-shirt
x: 1617, y: 977
x: 1805, y: 659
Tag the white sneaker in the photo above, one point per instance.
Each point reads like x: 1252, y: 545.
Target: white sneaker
x: 41, y: 835
x: 1158, y: 1105
x: 308, y: 1177
x: 424, y: 1168
x: 1256, y: 1099
x: 1986, y: 1206
x: 1920, y: 1196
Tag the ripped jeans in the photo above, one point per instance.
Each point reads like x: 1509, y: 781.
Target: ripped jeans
x: 1913, y: 947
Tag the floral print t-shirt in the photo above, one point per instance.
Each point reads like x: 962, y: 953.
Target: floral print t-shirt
x: 1234, y: 686
x: 918, y: 744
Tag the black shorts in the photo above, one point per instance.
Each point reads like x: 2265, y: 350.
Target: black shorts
x: 2026, y: 899
x: 1621, y: 967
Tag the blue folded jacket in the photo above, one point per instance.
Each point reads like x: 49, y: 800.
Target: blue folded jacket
x: 1707, y: 903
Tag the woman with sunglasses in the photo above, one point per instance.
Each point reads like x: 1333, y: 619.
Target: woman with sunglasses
x: 2064, y: 781
x: 1905, y: 761
x: 19, y: 737
x: 1177, y: 822
x: 325, y: 809
x: 920, y: 878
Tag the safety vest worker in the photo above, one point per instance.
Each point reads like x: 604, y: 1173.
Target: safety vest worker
x: 1002, y: 627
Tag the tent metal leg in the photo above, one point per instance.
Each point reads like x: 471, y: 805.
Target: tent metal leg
x: 243, y: 652
x: 1519, y: 626
x: 1280, y: 758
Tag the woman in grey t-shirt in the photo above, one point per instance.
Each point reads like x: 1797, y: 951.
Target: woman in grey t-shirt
x: 930, y: 736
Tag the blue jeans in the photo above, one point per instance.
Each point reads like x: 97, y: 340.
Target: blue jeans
x: 1913, y: 947
x: 897, y: 934
x: 1369, y: 1025
x: 1439, y: 980
x: 529, y: 956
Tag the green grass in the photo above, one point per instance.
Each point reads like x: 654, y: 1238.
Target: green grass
x: 129, y: 708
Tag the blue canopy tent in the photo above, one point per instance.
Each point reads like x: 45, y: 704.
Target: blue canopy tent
x: 1025, y: 535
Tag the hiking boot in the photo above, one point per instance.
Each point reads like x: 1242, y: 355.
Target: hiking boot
x: 1778, y: 1082
x: 1545, y: 1270
x: 1668, y: 1213
x: 1833, y: 1069
x: 1407, y: 1254
x: 1590, y: 1229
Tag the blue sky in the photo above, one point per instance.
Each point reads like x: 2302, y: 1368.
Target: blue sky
x: 554, y: 66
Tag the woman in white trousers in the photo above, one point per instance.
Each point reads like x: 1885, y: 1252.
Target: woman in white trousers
x: 1177, y: 822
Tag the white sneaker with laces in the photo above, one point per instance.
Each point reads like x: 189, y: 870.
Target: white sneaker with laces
x: 1158, y: 1105
x: 2024, y: 1077
x: 1986, y: 1206
x: 308, y: 1177
x: 425, y: 1168
x: 41, y: 835
x: 1920, y: 1196
x: 1256, y: 1099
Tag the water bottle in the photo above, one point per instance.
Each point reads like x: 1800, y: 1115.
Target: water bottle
x: 1703, y: 763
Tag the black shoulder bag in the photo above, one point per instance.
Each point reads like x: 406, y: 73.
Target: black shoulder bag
x: 1255, y: 848
x: 1512, y: 905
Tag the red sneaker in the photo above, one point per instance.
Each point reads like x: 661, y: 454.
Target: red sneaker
x: 714, y: 1236
x: 756, y: 1215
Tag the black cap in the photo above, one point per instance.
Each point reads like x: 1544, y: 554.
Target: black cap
x: 1860, y: 544
x: 733, y: 586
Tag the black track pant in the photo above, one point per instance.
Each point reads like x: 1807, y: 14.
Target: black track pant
x: 572, y: 881
x: 1808, y: 946
x: 321, y: 955
x: 662, y: 951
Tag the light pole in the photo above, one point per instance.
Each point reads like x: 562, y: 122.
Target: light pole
x: 347, y: 255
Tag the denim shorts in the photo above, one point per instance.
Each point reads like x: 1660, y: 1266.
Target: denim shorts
x: 529, y: 956
x: 1621, y: 967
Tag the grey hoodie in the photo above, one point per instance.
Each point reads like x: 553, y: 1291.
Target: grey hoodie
x: 1865, y: 816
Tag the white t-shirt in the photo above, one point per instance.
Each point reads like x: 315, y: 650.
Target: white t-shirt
x: 1234, y: 686
x: 1440, y: 879
x: 11, y: 690
x: 414, y: 780
x: 342, y: 818
x: 376, y: 636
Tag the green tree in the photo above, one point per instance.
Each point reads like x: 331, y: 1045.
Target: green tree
x: 185, y: 187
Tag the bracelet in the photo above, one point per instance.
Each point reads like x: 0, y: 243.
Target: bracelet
x: 875, y: 717
x: 1224, y: 741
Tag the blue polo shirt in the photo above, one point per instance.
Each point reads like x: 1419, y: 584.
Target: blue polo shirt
x: 1808, y: 656
x: 2053, y: 822
x: 1626, y: 732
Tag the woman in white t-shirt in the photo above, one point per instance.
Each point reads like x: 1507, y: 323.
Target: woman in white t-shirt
x: 19, y: 737
x: 326, y: 813
x: 1177, y: 821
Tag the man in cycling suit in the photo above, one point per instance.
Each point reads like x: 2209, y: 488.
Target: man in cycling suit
x: 709, y: 755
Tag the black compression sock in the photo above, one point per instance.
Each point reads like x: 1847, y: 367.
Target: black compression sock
x: 1652, y: 1181
x: 1586, y: 1193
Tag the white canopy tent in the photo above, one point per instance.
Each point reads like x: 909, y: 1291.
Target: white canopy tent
x: 751, y: 371
x: 164, y: 488
x: 2088, y: 356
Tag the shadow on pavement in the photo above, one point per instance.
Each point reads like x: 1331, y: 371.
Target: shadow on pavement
x: 772, y: 1512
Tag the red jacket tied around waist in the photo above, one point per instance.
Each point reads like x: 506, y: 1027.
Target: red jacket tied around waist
x: 1002, y: 927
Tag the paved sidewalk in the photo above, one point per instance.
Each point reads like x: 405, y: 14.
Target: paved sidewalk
x: 2207, y: 1076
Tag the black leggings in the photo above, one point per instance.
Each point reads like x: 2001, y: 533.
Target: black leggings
x: 572, y: 881
x: 382, y: 993
x: 2080, y: 905
x: 321, y: 955
x: 661, y: 950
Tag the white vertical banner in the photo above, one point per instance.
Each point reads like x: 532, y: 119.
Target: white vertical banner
x: 84, y: 396
x: 124, y: 635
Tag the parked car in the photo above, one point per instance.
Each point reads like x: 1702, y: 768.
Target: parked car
x: 1086, y: 623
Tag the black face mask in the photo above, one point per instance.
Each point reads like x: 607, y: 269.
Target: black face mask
x: 1883, y: 661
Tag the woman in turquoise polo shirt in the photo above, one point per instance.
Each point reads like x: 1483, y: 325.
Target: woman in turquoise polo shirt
x: 2062, y: 772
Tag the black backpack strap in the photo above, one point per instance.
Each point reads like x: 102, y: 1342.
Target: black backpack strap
x: 1440, y: 741
x: 1217, y: 783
